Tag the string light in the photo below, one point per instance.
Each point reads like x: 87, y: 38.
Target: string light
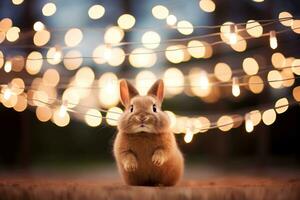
x: 107, y: 54
x: 188, y: 137
x: 38, y: 26
x: 203, y: 80
x: 63, y: 108
x: 273, y: 40
x: 248, y: 123
x: 7, y: 93
x: 8, y: 66
x: 235, y: 87
x: 57, y: 56
x: 232, y: 34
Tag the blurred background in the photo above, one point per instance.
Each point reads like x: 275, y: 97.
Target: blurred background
x: 29, y: 140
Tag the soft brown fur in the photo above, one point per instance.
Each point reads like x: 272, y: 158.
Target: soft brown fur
x: 145, y: 149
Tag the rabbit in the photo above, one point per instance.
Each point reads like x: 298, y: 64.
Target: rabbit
x: 145, y: 149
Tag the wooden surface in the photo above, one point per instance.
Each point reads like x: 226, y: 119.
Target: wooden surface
x: 197, y: 184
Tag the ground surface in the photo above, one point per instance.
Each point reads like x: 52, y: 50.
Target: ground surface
x: 198, y: 183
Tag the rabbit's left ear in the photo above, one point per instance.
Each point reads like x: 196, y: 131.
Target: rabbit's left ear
x: 157, y: 90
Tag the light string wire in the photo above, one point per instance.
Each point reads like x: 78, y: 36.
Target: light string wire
x: 241, y: 119
x: 166, y: 41
x: 158, y: 51
x: 161, y: 50
x: 212, y: 125
x: 216, y: 83
x: 224, y: 84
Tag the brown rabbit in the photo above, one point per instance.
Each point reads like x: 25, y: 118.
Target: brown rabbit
x: 145, y: 149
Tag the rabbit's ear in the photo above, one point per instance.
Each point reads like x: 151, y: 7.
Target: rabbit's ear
x: 127, y: 91
x: 157, y: 90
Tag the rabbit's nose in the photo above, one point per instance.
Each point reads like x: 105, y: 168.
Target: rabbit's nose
x: 143, y: 118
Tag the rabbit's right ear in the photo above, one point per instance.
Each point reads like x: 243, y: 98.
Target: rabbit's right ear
x: 127, y: 91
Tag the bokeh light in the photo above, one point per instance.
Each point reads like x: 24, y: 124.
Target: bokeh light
x: 185, y: 27
x: 144, y: 81
x: 225, y: 123
x: 160, y: 12
x: 126, y: 21
x: 93, y: 118
x: 34, y: 62
x: 49, y: 9
x: 269, y: 116
x: 207, y: 5
x: 174, y: 80
x: 96, y: 12
x: 223, y: 72
x: 281, y: 105
x: 113, y: 115
x: 151, y: 39
x: 73, y: 37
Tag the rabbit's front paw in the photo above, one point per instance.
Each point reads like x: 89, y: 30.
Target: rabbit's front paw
x: 130, y: 163
x: 158, y: 158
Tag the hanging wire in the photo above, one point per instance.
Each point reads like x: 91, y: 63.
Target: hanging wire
x: 165, y: 41
x: 218, y: 83
x: 161, y: 50
x: 212, y: 125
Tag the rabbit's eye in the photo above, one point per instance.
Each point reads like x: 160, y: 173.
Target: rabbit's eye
x: 131, y: 108
x: 154, y: 108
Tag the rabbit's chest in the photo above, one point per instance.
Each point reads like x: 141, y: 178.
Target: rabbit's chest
x: 144, y: 147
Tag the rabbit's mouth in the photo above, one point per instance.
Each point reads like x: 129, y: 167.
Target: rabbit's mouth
x: 143, y: 128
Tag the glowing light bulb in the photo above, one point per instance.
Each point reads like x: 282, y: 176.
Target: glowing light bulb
x: 58, y: 54
x: 107, y: 54
x: 273, y: 40
x: 188, y: 135
x: 235, y: 87
x: 232, y: 34
x: 63, y: 109
x: 7, y: 94
x: 204, y: 82
x: 109, y: 87
x: 248, y: 123
x: 7, y: 66
x: 38, y: 26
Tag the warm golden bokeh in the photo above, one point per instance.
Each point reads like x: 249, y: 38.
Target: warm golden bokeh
x: 34, y: 62
x: 49, y: 9
x: 269, y: 116
x: 41, y: 37
x: 283, y: 17
x: 207, y: 5
x: 73, y: 60
x: 196, y: 48
x: 113, y: 115
x: 143, y: 81
x: 108, y: 90
x: 151, y: 39
x: 296, y: 93
x: 113, y: 35
x: 174, y: 80
x: 281, y: 105
x: 141, y: 57
x: 96, y: 12
x: 225, y: 123
x: 185, y: 27
x: 256, y: 84
x: 250, y: 66
x: 275, y: 79
x: 43, y: 113
x: 160, y: 12
x: 93, y: 118
x: 126, y: 21
x: 223, y: 72
x: 254, y: 28
x: 73, y: 37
